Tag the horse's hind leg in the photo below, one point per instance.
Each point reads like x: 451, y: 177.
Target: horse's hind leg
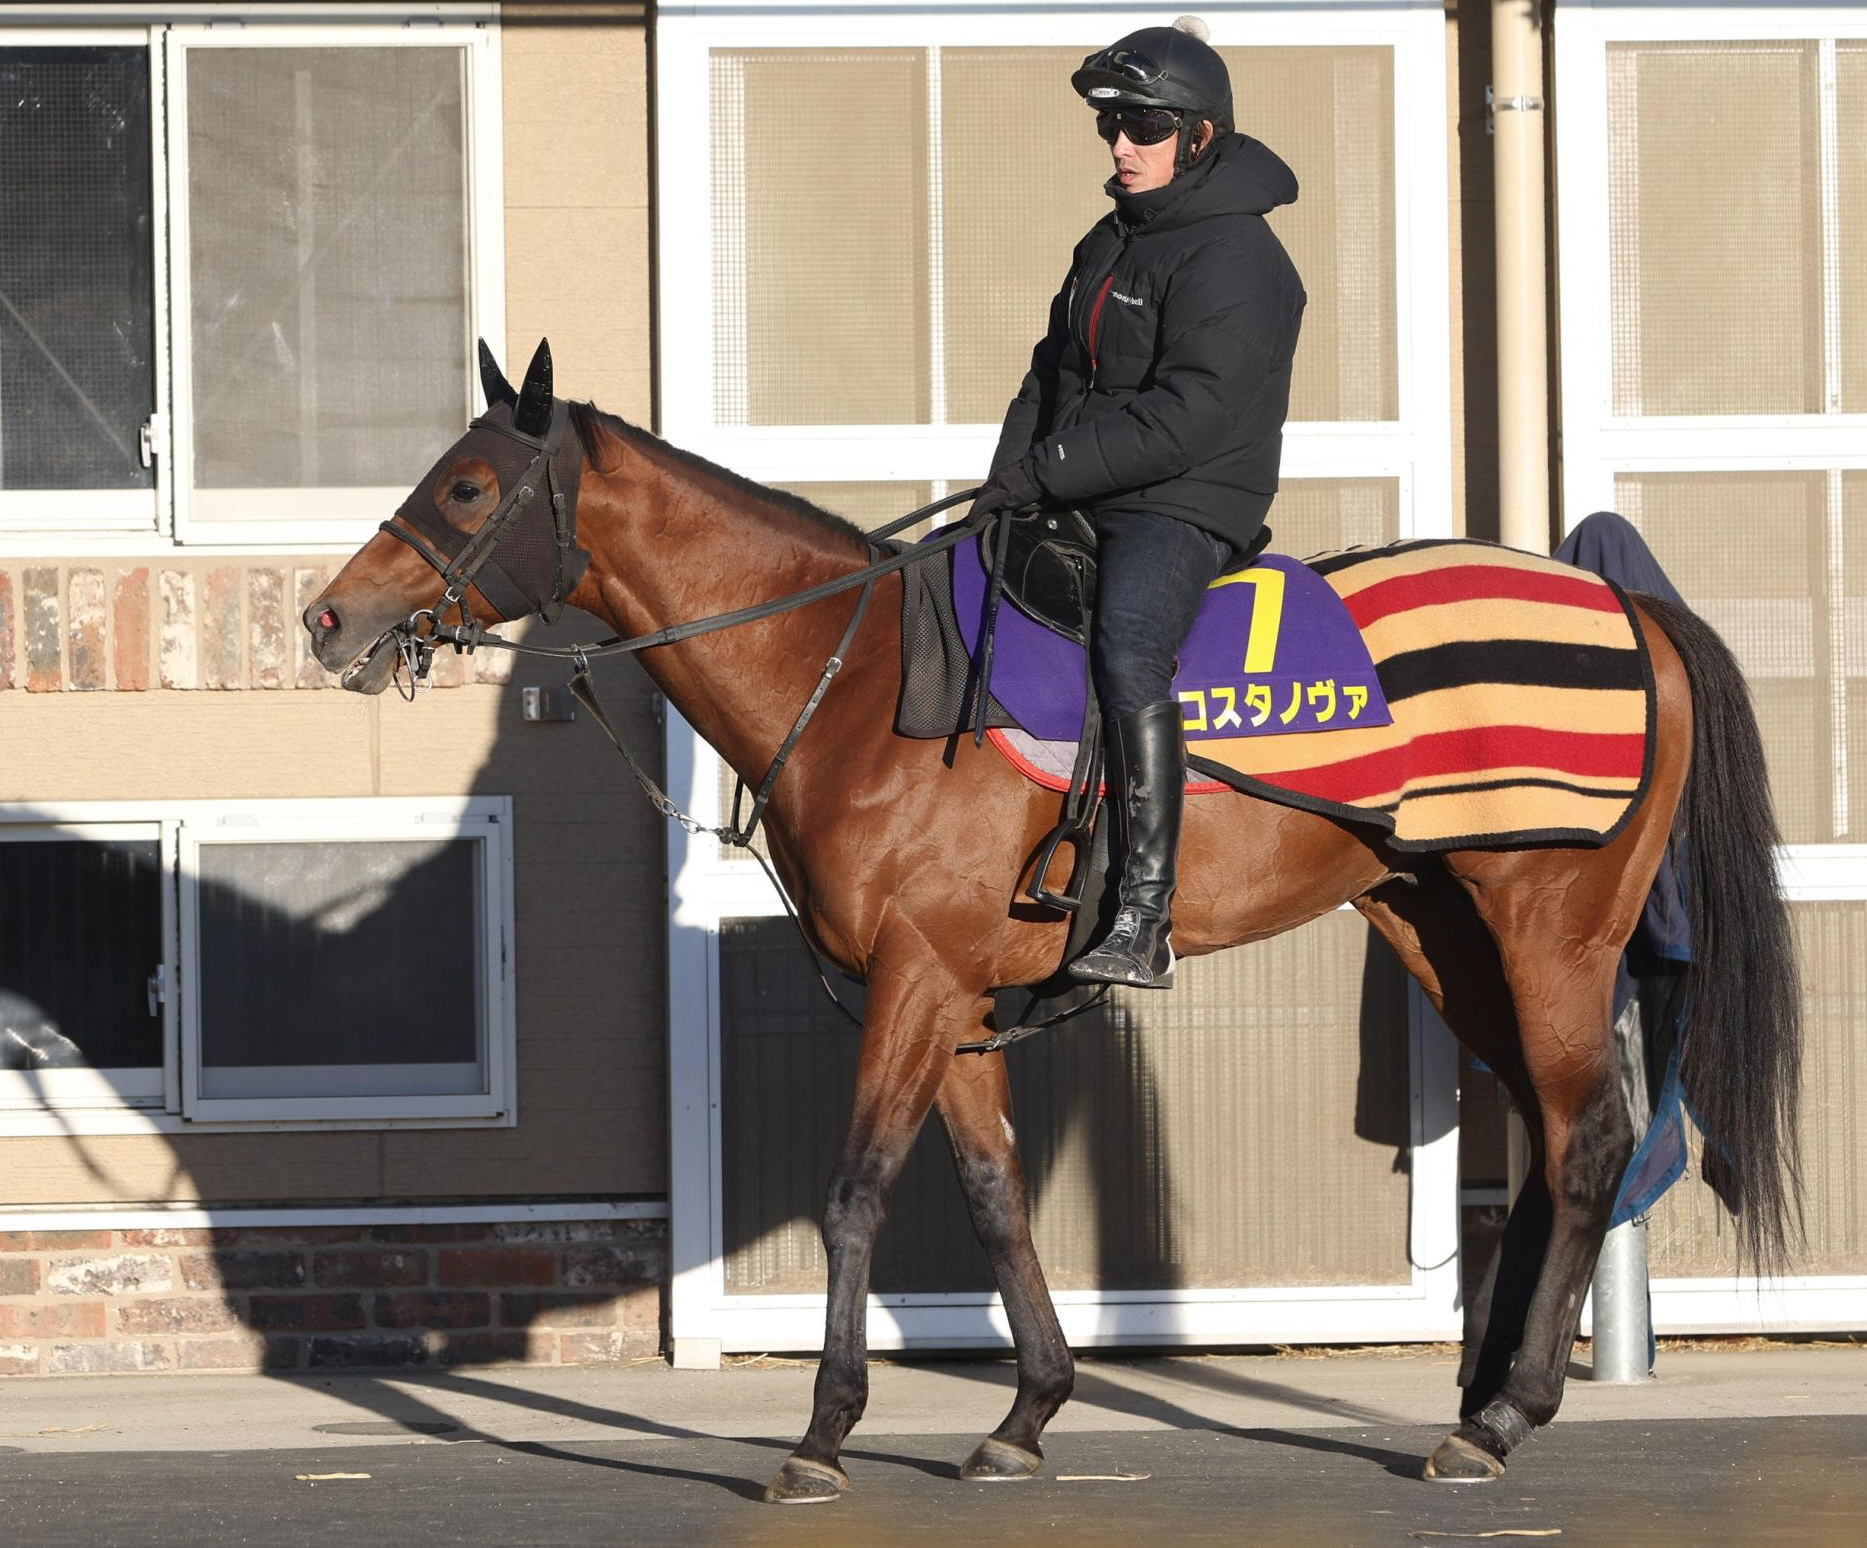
x: 975, y: 1106
x: 1560, y: 921
x: 912, y: 1022
x: 1436, y: 932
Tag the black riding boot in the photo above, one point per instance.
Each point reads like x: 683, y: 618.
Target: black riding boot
x: 1147, y: 789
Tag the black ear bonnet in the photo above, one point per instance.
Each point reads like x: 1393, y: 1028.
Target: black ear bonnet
x: 525, y: 558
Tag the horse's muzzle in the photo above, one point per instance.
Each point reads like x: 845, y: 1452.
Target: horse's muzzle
x: 363, y: 657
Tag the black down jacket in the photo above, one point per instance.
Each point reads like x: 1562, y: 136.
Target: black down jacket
x: 1164, y: 379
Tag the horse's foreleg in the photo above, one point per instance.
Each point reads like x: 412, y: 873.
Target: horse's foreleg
x: 909, y: 1030
x: 975, y: 1107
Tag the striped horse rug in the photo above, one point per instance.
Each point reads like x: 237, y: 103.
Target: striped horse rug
x: 1521, y: 701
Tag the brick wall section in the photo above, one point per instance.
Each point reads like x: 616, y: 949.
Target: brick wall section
x: 84, y: 627
x: 6, y: 629
x: 292, y: 1298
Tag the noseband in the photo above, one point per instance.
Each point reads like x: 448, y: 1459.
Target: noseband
x: 472, y: 561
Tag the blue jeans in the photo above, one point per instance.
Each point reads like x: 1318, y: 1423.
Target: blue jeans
x: 1151, y: 576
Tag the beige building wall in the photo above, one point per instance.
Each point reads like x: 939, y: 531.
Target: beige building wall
x: 248, y: 717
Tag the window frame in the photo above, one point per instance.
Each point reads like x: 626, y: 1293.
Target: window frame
x: 356, y: 510
x: 131, y: 1086
x: 1415, y: 447
x: 708, y: 885
x: 110, y: 521
x: 86, y: 513
x: 1598, y: 445
x: 175, y: 1105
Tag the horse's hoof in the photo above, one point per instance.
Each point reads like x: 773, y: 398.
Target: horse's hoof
x: 997, y: 1461
x: 805, y: 1483
x: 1458, y: 1461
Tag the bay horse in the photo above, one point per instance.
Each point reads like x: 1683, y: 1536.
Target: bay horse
x: 903, y: 858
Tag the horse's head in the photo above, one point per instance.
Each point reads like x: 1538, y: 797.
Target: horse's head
x: 490, y: 532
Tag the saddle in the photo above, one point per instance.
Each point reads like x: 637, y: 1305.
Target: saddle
x: 1049, y: 567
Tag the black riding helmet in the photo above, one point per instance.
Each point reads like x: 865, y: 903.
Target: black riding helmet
x: 1163, y: 67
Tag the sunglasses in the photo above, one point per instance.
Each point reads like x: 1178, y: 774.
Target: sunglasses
x: 1142, y: 125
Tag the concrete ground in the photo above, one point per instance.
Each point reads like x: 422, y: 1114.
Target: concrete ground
x: 1765, y: 1445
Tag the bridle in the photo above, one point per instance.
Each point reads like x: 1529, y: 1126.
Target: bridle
x: 426, y: 629
x: 474, y: 564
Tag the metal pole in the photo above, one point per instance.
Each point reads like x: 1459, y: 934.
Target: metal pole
x: 1623, y: 1334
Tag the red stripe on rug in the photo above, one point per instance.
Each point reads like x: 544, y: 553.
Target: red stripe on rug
x: 1473, y: 750
x: 1477, y: 582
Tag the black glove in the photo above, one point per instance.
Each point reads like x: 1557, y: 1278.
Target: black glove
x: 1011, y: 488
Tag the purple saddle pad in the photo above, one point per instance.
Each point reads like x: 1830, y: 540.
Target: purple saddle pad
x: 1273, y: 651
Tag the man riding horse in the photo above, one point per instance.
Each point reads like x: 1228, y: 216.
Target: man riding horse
x: 1156, y: 403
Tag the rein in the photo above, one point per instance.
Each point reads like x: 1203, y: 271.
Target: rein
x: 471, y: 636
x: 419, y: 635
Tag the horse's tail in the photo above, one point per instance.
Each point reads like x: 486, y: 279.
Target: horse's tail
x: 1741, y: 1060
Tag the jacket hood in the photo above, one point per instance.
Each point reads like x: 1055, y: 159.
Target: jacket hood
x: 1239, y: 176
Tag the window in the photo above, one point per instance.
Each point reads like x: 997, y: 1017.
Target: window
x: 1713, y: 272
x: 284, y: 961
x: 856, y: 339
x: 77, y: 284
x: 82, y: 924
x: 873, y: 327
x: 1738, y: 448
x: 242, y: 267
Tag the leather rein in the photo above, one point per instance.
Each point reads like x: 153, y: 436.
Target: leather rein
x: 419, y: 635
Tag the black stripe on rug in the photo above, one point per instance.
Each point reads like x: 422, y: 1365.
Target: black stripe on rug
x: 1479, y: 786
x: 1524, y: 663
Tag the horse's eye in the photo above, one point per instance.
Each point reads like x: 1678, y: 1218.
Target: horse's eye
x: 465, y: 492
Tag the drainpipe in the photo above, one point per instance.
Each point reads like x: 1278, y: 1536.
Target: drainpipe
x: 1516, y: 103
x: 1514, y: 113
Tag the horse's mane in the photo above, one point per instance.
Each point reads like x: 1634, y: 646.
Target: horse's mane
x: 591, y: 422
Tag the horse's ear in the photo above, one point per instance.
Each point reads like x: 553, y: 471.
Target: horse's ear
x: 533, y: 415
x: 493, y: 380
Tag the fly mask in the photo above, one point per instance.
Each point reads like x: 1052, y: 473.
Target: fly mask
x: 524, y: 437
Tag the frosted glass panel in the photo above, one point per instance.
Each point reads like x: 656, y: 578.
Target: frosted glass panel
x: 1009, y: 231
x: 820, y: 236
x: 1329, y: 112
x: 338, y: 969
x: 1317, y: 515
x: 1714, y: 202
x: 1690, y: 1233
x: 1757, y: 555
x: 328, y: 250
x: 1851, y: 208
x: 910, y: 287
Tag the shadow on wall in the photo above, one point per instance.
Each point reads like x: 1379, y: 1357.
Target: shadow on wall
x: 1169, y: 1142
x: 332, y: 968
x: 364, y: 970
